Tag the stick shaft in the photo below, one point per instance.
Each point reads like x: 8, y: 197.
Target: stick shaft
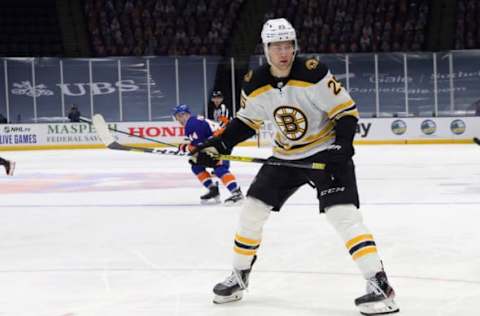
x: 102, y: 130
x: 86, y: 120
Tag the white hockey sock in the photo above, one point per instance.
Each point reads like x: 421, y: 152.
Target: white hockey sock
x: 253, y: 215
x: 348, y: 222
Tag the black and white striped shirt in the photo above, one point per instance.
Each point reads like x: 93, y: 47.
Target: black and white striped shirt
x: 221, y: 114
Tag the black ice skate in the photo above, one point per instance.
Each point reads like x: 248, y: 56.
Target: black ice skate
x: 235, y: 198
x: 213, y: 195
x: 9, y: 167
x: 232, y: 288
x: 379, y: 297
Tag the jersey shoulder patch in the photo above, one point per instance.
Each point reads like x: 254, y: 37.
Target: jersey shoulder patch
x: 310, y: 70
x: 255, y: 79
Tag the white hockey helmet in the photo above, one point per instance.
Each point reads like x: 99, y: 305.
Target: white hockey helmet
x: 278, y: 30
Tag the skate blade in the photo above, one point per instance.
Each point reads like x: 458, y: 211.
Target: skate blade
x: 387, y: 306
x: 218, y: 299
x: 211, y: 201
x: 232, y: 203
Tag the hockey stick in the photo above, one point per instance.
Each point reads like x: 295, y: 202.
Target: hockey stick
x: 313, y: 165
x: 89, y: 121
x: 476, y: 140
x: 107, y: 138
x: 102, y: 130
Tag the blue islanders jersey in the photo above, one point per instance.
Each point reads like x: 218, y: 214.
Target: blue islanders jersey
x: 197, y: 130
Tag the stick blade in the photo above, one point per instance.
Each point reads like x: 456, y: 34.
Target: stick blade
x: 476, y: 140
x: 102, y: 130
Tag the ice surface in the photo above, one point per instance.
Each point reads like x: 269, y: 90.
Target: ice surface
x: 109, y: 233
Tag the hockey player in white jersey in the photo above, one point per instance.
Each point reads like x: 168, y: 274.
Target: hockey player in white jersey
x: 315, y: 121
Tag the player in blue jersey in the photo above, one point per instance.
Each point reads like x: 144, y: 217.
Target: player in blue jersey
x: 198, y: 130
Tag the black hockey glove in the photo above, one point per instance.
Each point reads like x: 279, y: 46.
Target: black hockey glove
x: 204, y: 154
x: 235, y: 132
x: 341, y: 151
x: 203, y: 159
x: 337, y: 156
x: 215, y: 145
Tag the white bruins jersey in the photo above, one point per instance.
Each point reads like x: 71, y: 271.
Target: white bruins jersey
x: 302, y: 107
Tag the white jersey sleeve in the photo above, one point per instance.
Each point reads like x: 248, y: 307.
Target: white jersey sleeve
x: 331, y: 98
x: 251, y: 112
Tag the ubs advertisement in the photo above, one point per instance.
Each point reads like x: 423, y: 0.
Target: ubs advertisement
x: 122, y: 89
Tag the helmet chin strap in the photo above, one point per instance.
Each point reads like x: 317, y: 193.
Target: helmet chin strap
x: 265, y: 52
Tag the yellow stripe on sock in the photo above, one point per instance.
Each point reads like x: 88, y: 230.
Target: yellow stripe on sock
x: 352, y: 242
x: 247, y: 241
x: 245, y: 252
x: 365, y: 251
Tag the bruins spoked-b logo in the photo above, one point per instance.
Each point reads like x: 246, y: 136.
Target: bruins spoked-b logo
x: 311, y: 63
x: 291, y: 121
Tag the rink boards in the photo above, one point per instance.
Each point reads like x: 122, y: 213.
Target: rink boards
x: 369, y: 131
